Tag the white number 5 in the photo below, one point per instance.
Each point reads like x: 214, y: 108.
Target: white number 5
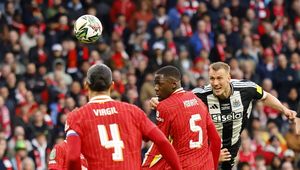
x: 115, y: 143
x: 196, y: 128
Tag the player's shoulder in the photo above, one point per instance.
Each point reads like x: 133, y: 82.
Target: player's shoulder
x: 202, y: 90
x: 242, y: 83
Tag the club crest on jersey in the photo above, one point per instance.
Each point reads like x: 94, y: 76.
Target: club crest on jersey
x: 236, y: 103
x: 52, y: 154
x: 158, y: 118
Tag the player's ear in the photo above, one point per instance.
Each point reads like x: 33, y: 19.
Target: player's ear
x: 229, y: 77
x: 86, y: 85
x: 112, y: 85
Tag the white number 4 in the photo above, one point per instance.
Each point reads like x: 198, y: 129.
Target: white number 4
x: 196, y: 128
x: 115, y: 143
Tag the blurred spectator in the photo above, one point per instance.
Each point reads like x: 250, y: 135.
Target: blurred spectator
x: 295, y: 64
x: 275, y: 162
x: 184, y: 31
x: 160, y: 19
x: 18, y: 135
x: 233, y: 39
x: 246, y: 154
x: 28, y: 164
x: 40, y: 150
x: 20, y: 155
x: 201, y: 39
x: 121, y: 28
x: 267, y: 64
x: 5, y: 163
x: 16, y: 66
x: 147, y: 91
x: 119, y: 59
x: 217, y: 53
x: 156, y: 60
x: 124, y: 7
x: 5, y: 119
x: 284, y: 78
x: 260, y: 163
x: 75, y: 9
x: 287, y: 166
x: 143, y: 14
x: 38, y: 54
x: 28, y: 40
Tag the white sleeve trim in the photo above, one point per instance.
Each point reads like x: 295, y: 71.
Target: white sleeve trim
x: 264, y: 95
x: 71, y: 132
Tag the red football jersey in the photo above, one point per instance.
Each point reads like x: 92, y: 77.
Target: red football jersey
x: 183, y: 118
x: 57, y: 158
x: 111, y: 133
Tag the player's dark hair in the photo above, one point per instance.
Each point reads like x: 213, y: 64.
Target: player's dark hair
x: 170, y: 71
x: 99, y: 77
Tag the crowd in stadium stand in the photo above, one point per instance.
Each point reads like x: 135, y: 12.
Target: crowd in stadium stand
x: 43, y: 67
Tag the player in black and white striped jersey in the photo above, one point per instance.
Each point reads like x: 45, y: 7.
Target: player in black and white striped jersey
x: 230, y: 104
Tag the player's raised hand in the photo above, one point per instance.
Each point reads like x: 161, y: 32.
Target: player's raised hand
x: 154, y: 102
x: 224, y: 155
x: 290, y: 114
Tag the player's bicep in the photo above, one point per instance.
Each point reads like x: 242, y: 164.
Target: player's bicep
x: 73, y: 124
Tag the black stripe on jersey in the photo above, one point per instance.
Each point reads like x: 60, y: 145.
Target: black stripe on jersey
x: 227, y: 126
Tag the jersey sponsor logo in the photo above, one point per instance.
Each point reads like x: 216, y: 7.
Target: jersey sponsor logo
x: 214, y: 106
x: 226, y: 118
x: 52, y: 162
x: 259, y: 89
x: 190, y: 103
x: 105, y: 112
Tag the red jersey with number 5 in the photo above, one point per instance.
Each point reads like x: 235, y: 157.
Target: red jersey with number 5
x: 111, y: 133
x: 183, y: 118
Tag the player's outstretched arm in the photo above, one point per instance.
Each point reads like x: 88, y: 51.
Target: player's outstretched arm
x: 73, y: 151
x: 273, y: 102
x: 297, y: 121
x: 165, y: 148
x: 215, y: 143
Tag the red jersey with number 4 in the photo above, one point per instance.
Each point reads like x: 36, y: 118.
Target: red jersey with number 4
x: 111, y: 133
x: 58, y: 157
x: 183, y: 118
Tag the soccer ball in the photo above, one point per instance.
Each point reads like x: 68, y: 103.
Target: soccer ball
x: 87, y: 28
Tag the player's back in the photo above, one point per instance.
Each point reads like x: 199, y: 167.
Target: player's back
x: 188, y: 128
x: 111, y: 134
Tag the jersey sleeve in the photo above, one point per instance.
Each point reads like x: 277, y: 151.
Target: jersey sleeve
x: 56, y: 158
x: 254, y: 90
x: 73, y: 123
x: 144, y: 123
x: 163, y: 119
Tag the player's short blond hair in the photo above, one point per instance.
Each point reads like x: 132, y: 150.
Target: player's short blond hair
x: 220, y: 65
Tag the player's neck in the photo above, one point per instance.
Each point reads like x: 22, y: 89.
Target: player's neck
x: 94, y: 94
x: 226, y: 93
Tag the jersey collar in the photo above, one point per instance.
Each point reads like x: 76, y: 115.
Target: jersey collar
x: 100, y: 99
x: 180, y: 90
